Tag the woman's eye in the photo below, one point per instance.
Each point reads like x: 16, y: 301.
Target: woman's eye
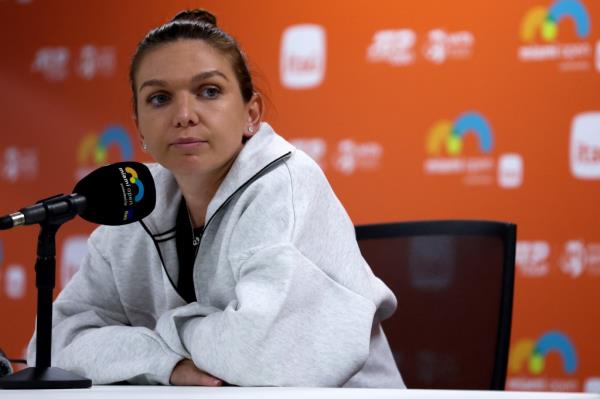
x: 158, y: 99
x: 210, y: 92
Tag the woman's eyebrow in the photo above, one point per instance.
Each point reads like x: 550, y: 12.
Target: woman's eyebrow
x: 153, y: 82
x: 208, y: 74
x: 197, y: 78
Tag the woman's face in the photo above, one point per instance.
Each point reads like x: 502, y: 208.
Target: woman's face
x: 190, y: 112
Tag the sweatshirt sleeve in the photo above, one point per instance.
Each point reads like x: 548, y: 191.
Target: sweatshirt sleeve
x: 291, y: 325
x: 91, y: 335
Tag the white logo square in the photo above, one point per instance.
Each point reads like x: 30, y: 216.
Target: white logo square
x: 585, y: 146
x: 510, y: 171
x: 74, y: 251
x: 598, y: 56
x: 15, y: 281
x: 303, y: 55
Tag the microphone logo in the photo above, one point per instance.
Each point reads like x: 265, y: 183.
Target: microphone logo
x: 130, y: 177
x: 134, y: 179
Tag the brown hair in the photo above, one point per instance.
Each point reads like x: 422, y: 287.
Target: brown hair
x: 200, y: 25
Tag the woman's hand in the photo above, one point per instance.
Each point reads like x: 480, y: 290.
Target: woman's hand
x: 186, y: 373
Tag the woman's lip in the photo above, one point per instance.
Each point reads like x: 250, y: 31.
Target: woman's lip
x: 187, y: 141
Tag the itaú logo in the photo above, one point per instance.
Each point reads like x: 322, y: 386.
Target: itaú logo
x: 303, y: 56
x: 584, y: 152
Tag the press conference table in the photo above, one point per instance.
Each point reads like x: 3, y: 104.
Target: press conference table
x: 151, y: 392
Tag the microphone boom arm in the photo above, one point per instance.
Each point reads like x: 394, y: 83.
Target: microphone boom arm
x: 52, y: 210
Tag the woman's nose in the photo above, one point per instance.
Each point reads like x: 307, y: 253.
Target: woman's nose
x: 185, y: 114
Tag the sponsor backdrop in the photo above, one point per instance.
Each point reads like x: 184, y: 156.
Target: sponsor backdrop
x: 415, y: 110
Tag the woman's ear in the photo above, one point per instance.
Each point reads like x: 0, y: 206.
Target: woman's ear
x: 140, y: 135
x: 255, y: 111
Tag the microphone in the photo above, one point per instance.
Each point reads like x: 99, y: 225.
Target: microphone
x: 114, y: 194
x: 5, y: 367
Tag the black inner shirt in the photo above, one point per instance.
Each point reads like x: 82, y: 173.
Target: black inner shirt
x: 186, y: 252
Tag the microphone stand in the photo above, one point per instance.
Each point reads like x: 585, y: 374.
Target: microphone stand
x: 43, y: 376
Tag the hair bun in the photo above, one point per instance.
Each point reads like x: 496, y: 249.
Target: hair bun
x: 196, y: 15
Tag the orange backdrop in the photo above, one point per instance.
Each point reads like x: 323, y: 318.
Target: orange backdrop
x: 415, y: 110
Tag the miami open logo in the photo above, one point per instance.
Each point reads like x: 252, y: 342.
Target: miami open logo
x: 131, y: 179
x: 448, y: 152
x: 544, y: 22
x: 530, y: 357
x: 113, y: 144
x: 134, y: 179
x: 541, y: 29
x: 447, y: 136
x: 445, y: 148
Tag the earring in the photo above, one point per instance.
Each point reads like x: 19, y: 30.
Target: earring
x: 250, y: 129
x: 144, y: 147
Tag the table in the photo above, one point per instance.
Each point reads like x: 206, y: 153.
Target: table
x: 151, y: 392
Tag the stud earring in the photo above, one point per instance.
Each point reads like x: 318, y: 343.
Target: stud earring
x: 250, y: 129
x: 144, y: 146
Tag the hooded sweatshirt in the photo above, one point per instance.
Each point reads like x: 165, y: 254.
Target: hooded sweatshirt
x: 284, y: 297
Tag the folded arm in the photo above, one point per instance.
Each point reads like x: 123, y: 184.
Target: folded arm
x: 291, y: 325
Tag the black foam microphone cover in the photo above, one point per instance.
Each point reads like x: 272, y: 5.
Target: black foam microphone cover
x: 117, y: 194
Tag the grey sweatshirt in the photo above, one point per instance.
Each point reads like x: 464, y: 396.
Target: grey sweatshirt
x: 284, y: 297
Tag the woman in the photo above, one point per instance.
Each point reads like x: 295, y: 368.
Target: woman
x: 247, y: 272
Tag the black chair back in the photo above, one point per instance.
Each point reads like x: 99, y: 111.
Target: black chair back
x: 454, y: 283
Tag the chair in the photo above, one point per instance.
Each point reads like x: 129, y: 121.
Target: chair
x: 454, y: 284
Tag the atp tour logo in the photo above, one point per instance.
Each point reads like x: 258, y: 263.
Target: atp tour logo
x: 349, y: 156
x: 96, y: 61
x: 53, y: 63
x: 315, y: 147
x: 529, y: 357
x: 352, y: 156
x: 19, y: 164
x: 113, y: 144
x: 541, y: 30
x: 442, y: 46
x: 532, y: 258
x: 394, y: 46
x: 580, y: 257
